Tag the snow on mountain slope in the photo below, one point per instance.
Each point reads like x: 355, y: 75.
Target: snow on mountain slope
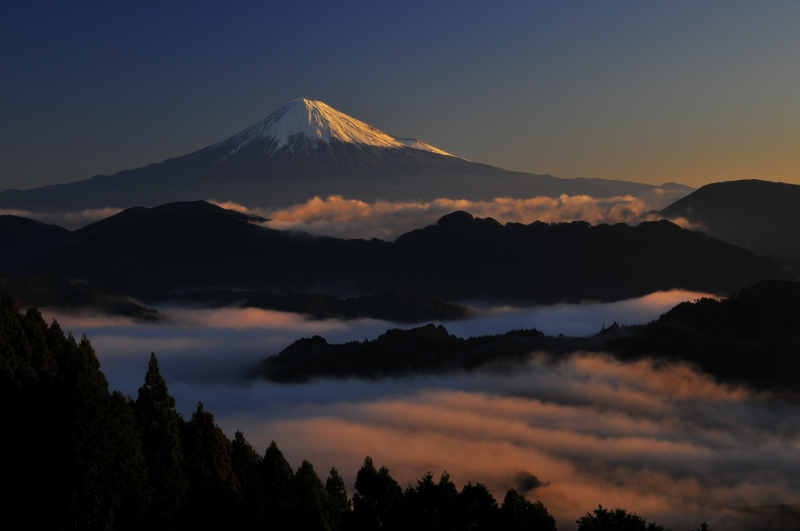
x: 302, y: 123
x: 419, y: 144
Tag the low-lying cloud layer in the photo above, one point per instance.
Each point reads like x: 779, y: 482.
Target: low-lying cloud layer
x: 663, y: 441
x: 68, y: 220
x: 351, y: 218
x: 218, y: 344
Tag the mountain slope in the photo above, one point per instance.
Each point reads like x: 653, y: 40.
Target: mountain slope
x: 150, y: 253
x: 759, y: 215
x: 308, y: 149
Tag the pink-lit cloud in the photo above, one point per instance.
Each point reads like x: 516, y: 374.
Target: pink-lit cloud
x: 349, y: 218
x: 666, y: 442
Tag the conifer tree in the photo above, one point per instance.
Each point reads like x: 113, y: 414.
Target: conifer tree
x: 56, y: 342
x: 378, y: 499
x: 277, y: 482
x: 431, y: 505
x: 213, y: 487
x: 161, y: 446
x: 244, y: 459
x: 84, y: 449
x: 312, y: 510
x: 477, y: 508
x: 520, y: 514
x: 29, y: 424
x: 16, y: 367
x: 128, y: 469
x: 339, y: 505
x: 41, y: 359
x: 245, y: 462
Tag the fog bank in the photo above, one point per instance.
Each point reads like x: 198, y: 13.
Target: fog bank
x: 663, y: 441
x: 350, y: 218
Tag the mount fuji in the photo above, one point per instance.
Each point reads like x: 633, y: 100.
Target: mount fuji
x: 307, y: 149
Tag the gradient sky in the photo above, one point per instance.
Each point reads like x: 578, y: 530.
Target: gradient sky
x: 691, y: 92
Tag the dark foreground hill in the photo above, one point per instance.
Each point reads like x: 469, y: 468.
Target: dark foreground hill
x: 153, y: 253
x: 759, y: 215
x: 751, y: 337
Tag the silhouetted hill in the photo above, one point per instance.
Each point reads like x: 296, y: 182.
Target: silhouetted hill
x: 24, y: 241
x: 58, y: 292
x: 151, y: 253
x: 752, y: 337
x: 759, y: 215
x: 397, y: 352
x: 462, y: 257
x: 388, y: 305
x: 182, y: 209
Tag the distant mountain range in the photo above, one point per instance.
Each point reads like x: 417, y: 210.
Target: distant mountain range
x: 308, y: 149
x: 153, y: 253
x: 759, y: 215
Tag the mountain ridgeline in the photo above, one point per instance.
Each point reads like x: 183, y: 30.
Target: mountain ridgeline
x: 388, y: 305
x: 59, y: 292
x: 752, y: 337
x: 759, y: 215
x: 307, y: 149
x: 153, y: 253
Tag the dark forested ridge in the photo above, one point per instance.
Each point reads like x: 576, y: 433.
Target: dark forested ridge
x: 55, y: 291
x: 388, y: 305
x: 89, y: 459
x: 153, y: 253
x: 751, y: 337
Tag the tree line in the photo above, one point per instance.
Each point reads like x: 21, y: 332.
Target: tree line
x: 81, y: 457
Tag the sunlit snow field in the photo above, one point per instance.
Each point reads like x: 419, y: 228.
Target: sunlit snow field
x: 667, y: 443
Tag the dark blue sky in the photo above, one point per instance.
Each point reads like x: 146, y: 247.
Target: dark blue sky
x: 693, y: 92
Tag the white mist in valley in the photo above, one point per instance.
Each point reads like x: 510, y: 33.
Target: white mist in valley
x: 661, y: 440
x: 351, y: 218
x: 218, y: 344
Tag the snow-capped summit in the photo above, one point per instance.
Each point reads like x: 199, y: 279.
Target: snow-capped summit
x: 302, y: 123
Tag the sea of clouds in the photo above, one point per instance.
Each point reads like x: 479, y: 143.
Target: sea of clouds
x: 664, y: 441
x: 351, y: 218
